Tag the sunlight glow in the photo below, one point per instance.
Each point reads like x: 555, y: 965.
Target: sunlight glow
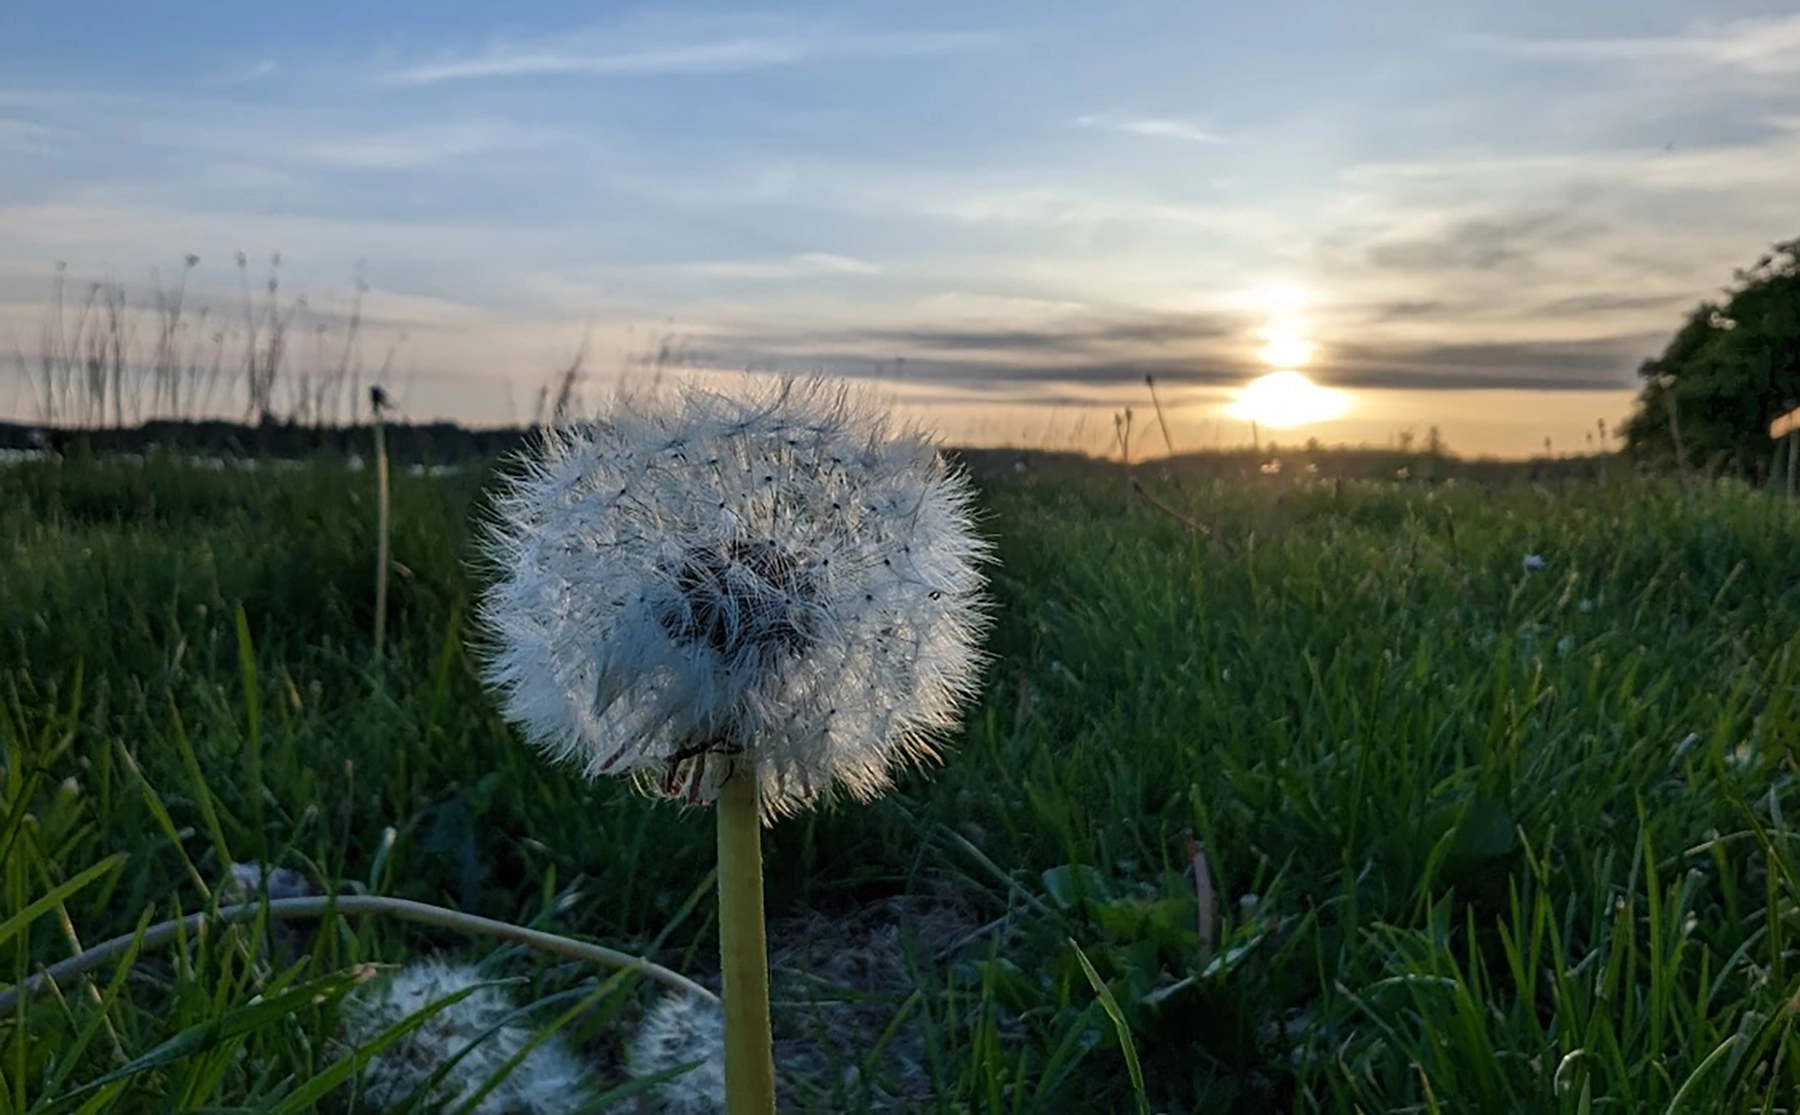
x: 1278, y: 299
x: 1285, y: 399
x: 1282, y: 306
x: 1284, y: 348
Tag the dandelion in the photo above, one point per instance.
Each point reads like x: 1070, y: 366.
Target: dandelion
x: 683, y: 1030
x: 773, y: 584
x: 476, y: 1031
x: 1534, y: 563
x: 751, y: 601
x: 244, y: 882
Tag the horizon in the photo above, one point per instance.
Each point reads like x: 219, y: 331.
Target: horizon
x: 1337, y: 221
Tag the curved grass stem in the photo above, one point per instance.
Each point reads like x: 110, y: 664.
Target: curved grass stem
x: 353, y: 905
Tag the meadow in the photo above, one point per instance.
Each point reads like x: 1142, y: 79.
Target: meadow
x: 1286, y: 795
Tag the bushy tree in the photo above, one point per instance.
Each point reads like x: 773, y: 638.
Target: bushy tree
x: 1729, y: 371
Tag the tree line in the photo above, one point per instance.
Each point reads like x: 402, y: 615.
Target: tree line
x: 1730, y: 370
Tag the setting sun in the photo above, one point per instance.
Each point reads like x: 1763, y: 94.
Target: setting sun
x: 1285, y: 399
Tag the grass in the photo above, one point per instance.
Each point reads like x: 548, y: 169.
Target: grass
x: 1484, y: 839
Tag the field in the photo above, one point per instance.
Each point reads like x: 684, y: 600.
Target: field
x: 1476, y: 835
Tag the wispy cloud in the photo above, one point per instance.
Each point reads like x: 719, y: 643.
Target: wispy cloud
x: 418, y: 147
x: 803, y: 265
x: 842, y: 265
x: 254, y: 135
x: 1762, y: 46
x: 256, y: 71
x: 595, y: 54
x: 1156, y: 126
x: 15, y: 134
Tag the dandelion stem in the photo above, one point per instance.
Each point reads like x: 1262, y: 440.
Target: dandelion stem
x: 743, y: 949
x: 284, y: 909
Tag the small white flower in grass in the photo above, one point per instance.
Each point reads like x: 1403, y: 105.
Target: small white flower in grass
x: 1534, y: 563
x: 784, y: 582
x: 683, y: 1030
x: 549, y: 1081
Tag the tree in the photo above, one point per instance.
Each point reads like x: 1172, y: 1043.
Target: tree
x: 1730, y: 370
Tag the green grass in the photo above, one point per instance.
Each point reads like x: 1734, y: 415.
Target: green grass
x: 1516, y: 841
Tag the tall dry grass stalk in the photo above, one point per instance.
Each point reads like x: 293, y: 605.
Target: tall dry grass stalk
x: 110, y: 356
x: 377, y: 406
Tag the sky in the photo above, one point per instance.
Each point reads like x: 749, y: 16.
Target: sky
x: 1003, y: 213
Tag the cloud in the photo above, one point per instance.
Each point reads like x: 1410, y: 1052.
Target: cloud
x: 592, y: 53
x: 1580, y: 307
x: 1544, y: 239
x: 801, y: 266
x: 841, y: 265
x: 27, y: 137
x: 1100, y: 334
x: 1509, y: 241
x: 1768, y: 45
x: 1202, y: 350
x: 1149, y: 126
x: 1721, y: 169
x: 406, y: 148
x: 1609, y: 302
x: 159, y: 130
x: 256, y: 71
x: 1605, y: 363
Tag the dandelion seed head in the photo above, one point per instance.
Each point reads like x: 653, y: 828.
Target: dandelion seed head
x: 549, y: 1081
x: 783, y: 580
x: 1533, y: 563
x: 244, y: 882
x: 680, y: 1030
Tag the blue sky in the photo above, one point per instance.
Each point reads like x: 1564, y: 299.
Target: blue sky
x: 1478, y: 215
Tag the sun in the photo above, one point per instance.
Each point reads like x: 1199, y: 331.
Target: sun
x: 1284, y: 399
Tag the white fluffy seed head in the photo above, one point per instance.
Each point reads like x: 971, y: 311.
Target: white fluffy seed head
x: 782, y: 579
x: 683, y: 1030
x: 549, y: 1081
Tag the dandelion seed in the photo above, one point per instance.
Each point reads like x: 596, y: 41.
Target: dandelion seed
x: 779, y: 582
x: 1565, y: 645
x: 548, y: 1081
x: 681, y: 1030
